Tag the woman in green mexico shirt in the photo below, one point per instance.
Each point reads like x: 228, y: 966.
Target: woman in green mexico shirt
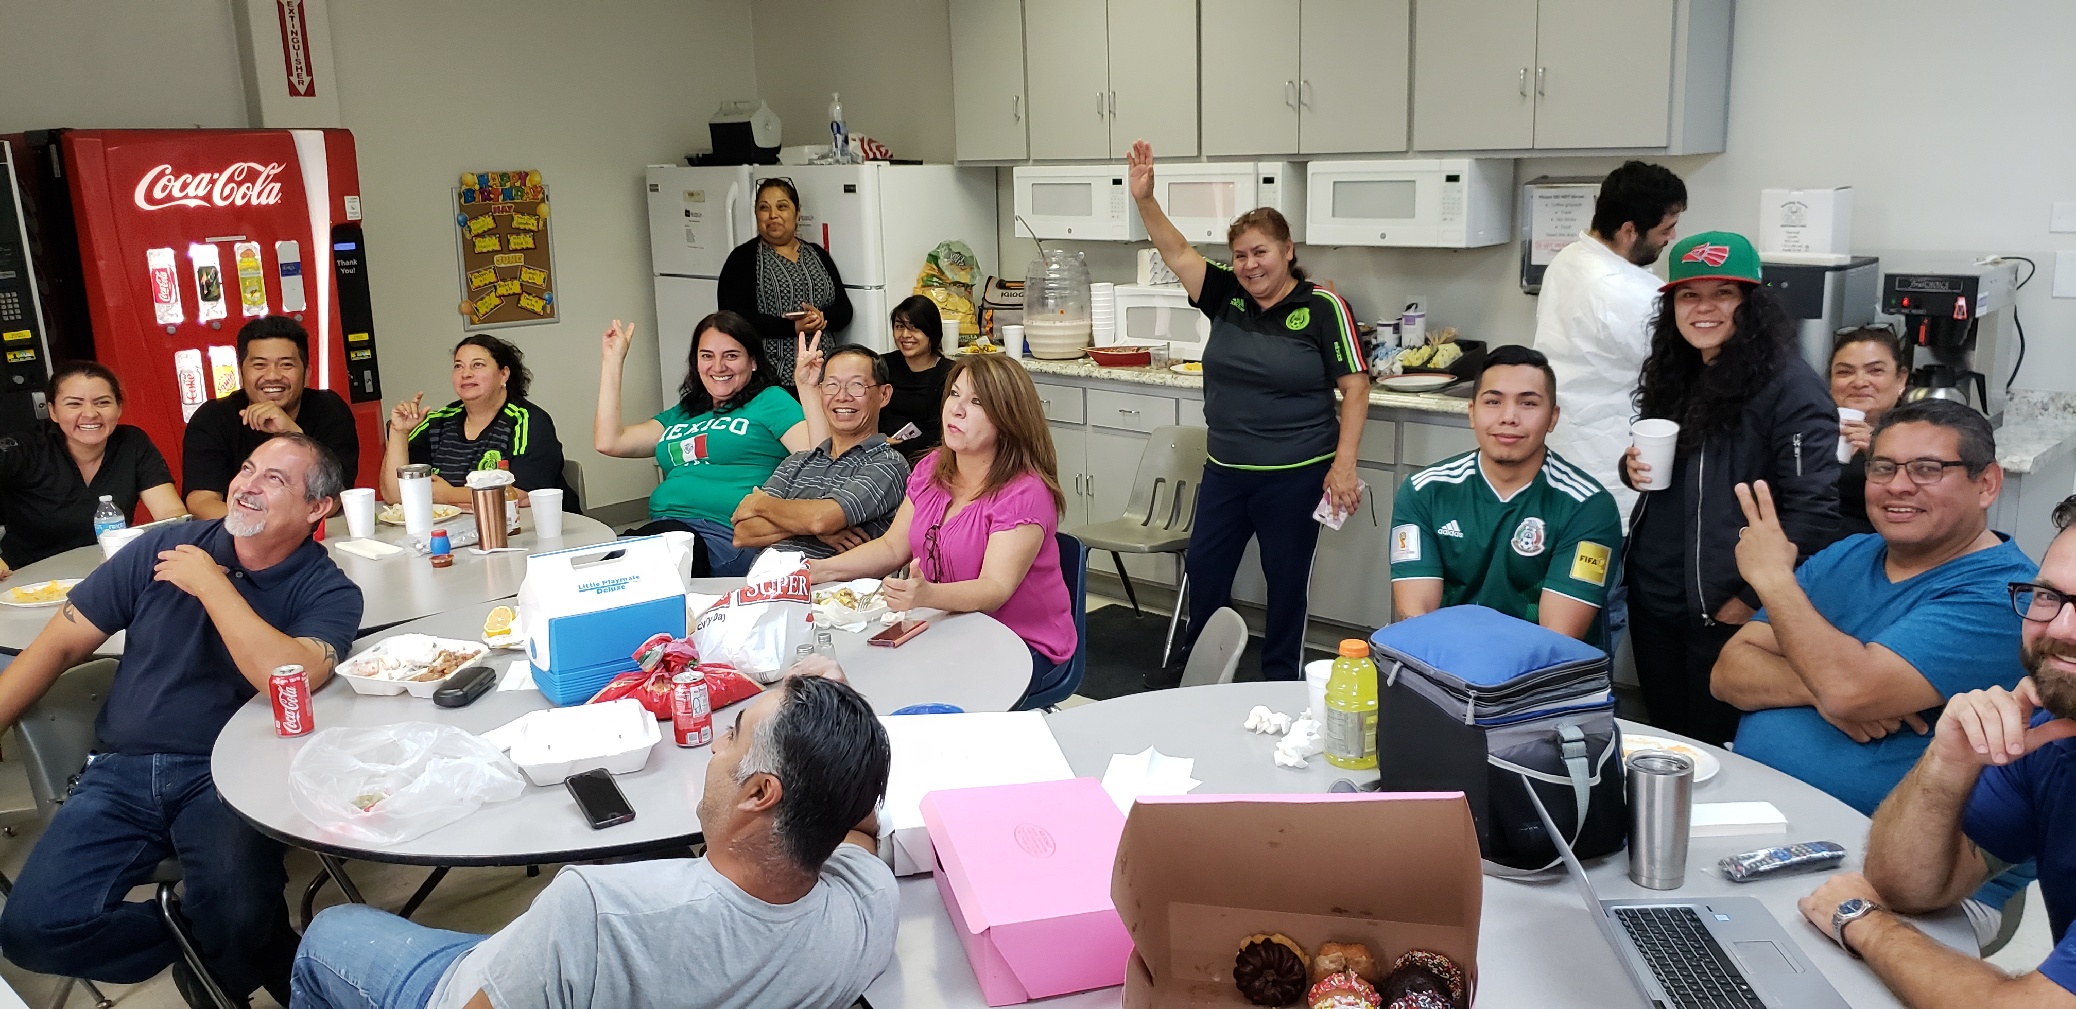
x: 731, y: 426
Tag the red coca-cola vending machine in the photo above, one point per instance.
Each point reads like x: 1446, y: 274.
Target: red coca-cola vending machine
x: 155, y: 246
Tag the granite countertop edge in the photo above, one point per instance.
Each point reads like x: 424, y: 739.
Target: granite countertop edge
x: 1087, y: 368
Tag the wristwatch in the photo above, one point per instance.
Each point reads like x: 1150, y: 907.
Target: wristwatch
x: 1850, y: 910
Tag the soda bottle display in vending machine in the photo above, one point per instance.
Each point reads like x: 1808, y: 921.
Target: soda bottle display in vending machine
x: 194, y: 381
x: 288, y: 257
x: 165, y: 286
x: 252, y: 281
x: 208, y: 283
x: 290, y: 690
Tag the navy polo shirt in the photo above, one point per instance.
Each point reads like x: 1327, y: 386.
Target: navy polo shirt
x: 177, y: 685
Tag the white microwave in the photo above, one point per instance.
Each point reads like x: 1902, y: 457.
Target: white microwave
x: 1202, y: 199
x: 1452, y: 203
x: 1149, y: 313
x: 1084, y: 202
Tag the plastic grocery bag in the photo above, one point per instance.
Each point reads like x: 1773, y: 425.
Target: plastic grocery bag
x: 760, y: 627
x: 391, y: 783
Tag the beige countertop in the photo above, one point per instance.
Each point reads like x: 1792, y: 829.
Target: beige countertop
x: 1086, y: 368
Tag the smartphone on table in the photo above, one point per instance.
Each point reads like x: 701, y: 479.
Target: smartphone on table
x: 899, y: 634
x: 599, y: 798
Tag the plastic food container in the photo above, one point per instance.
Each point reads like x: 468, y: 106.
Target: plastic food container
x: 356, y: 671
x: 1125, y: 356
x: 553, y: 743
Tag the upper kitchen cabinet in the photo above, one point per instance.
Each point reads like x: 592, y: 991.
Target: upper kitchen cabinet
x: 1285, y: 77
x: 1571, y: 75
x: 1103, y: 74
x: 988, y: 105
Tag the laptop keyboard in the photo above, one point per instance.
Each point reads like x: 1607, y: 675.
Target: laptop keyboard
x: 1685, y: 958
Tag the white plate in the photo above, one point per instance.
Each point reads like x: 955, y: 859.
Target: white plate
x: 838, y: 615
x: 514, y: 637
x: 1188, y: 368
x: 1706, y: 765
x: 7, y: 595
x: 1418, y: 383
x: 394, y: 514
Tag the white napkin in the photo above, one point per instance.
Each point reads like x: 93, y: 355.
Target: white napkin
x: 1148, y: 772
x: 373, y: 550
x: 1729, y: 819
x: 518, y: 676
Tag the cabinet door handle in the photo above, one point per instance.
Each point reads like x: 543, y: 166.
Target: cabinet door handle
x: 1539, y: 81
x: 1128, y: 410
x: 1016, y: 107
x: 1113, y: 105
x: 1305, y: 93
x: 1091, y: 485
x: 1524, y: 82
x: 1099, y: 105
x: 1290, y: 93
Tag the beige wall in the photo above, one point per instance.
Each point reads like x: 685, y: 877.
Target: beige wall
x: 890, y: 59
x: 118, y: 64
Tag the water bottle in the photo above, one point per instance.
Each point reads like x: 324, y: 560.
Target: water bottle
x: 839, y: 137
x: 108, y: 517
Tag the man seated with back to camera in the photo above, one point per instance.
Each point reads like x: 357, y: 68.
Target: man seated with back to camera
x: 212, y: 608
x: 1854, y: 652
x: 1997, y: 785
x: 791, y: 906
x: 844, y: 491
x: 1510, y: 525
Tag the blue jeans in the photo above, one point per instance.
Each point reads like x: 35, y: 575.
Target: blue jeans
x: 67, y: 915
x: 355, y: 957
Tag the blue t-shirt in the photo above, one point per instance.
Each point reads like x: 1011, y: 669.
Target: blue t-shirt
x: 177, y: 685
x: 1954, y: 624
x: 2022, y: 811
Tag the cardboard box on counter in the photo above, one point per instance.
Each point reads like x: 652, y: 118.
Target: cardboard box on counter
x: 1025, y: 872
x: 1197, y: 874
x: 933, y: 752
x: 1806, y: 221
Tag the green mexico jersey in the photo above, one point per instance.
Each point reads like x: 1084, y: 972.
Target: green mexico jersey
x: 1559, y: 533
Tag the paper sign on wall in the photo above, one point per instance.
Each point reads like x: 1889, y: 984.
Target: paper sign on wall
x: 502, y: 236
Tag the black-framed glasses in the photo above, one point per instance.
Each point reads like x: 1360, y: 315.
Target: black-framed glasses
x: 933, y: 560
x: 2038, y: 603
x: 1872, y: 329
x: 1923, y: 472
x: 855, y: 387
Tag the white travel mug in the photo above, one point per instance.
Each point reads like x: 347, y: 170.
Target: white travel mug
x: 1013, y: 341
x: 1845, y: 448
x: 414, y: 485
x: 1655, y: 440
x: 547, y: 512
x: 359, y: 505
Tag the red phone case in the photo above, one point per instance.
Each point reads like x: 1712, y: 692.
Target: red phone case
x: 899, y: 634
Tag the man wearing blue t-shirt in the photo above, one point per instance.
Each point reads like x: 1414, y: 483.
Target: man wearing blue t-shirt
x: 1996, y: 786
x: 212, y: 609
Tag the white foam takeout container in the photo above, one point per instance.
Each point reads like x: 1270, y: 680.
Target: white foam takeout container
x: 553, y: 743
x: 405, y: 645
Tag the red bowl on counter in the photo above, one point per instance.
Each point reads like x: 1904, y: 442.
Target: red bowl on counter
x: 1122, y: 356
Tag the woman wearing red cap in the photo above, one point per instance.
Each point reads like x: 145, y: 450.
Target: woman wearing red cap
x: 1723, y: 365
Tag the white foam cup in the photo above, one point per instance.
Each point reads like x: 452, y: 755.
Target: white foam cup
x: 547, y: 512
x: 1655, y: 440
x: 1013, y: 340
x: 951, y: 335
x: 359, y: 505
x: 1316, y: 675
x: 1845, y: 448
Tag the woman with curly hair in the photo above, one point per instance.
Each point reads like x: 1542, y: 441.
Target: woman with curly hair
x: 1723, y: 366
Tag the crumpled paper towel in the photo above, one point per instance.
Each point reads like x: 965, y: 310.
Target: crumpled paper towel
x: 1305, y: 739
x: 1265, y: 722
x: 1148, y: 772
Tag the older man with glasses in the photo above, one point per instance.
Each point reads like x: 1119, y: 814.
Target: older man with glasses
x: 1853, y: 655
x: 844, y: 491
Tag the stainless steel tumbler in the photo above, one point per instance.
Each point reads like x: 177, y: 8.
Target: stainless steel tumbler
x: 1661, y: 813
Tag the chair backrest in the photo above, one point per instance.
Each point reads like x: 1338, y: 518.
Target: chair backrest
x: 57, y: 732
x: 1217, y: 652
x: 573, y: 484
x: 1164, y: 493
x: 1074, y: 570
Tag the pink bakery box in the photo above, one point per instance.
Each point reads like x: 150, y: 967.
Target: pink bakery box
x: 1025, y: 874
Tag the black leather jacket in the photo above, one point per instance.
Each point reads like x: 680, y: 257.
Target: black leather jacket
x: 1786, y: 436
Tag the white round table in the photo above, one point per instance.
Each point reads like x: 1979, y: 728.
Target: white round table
x: 1536, y: 945
x: 397, y: 588
x: 969, y: 659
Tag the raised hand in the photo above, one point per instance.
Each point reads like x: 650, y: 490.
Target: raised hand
x: 807, y: 361
x: 1139, y: 170
x: 407, y: 415
x: 1765, y: 554
x: 613, y: 345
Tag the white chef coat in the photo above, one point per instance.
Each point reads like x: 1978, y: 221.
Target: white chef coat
x: 1593, y: 321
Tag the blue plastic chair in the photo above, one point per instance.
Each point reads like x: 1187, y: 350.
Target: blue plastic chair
x: 1066, y: 677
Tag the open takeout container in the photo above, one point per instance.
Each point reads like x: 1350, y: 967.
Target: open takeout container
x: 1195, y: 875
x: 551, y: 744
x: 355, y: 669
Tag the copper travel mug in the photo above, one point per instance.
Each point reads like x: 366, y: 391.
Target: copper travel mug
x: 489, y: 505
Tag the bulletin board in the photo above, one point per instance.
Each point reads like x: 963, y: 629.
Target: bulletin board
x: 506, y: 251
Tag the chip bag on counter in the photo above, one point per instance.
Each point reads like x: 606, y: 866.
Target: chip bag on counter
x: 663, y: 657
x: 947, y: 279
x: 760, y: 627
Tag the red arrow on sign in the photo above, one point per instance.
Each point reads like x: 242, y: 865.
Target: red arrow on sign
x: 295, y: 49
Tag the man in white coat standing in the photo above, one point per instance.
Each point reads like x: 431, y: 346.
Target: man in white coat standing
x: 1594, y: 318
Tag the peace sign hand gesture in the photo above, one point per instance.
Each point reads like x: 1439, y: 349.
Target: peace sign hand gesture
x: 613, y: 345
x: 1765, y: 554
x: 807, y: 361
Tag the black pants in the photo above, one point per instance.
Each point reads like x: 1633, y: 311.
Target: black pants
x: 1674, y: 656
x: 1274, y: 508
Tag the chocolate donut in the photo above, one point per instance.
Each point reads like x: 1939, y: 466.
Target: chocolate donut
x: 1269, y: 970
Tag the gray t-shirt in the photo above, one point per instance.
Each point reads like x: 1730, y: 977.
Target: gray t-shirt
x: 678, y: 934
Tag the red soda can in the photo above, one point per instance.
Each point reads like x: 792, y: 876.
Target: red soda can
x: 291, y: 692
x: 691, y: 718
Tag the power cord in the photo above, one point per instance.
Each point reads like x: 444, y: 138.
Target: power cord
x: 2031, y: 269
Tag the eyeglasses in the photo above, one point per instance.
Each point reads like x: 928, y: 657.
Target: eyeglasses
x: 1923, y: 472
x: 933, y: 561
x: 855, y: 387
x: 1880, y: 328
x: 2037, y: 603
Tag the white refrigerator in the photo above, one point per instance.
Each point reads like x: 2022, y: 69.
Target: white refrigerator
x: 877, y: 221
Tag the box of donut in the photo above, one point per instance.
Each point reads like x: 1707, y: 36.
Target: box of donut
x: 1254, y: 921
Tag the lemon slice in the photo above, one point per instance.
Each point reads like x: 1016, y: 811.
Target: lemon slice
x: 499, y: 622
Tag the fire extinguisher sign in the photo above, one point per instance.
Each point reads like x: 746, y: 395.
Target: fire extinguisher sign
x: 295, y: 48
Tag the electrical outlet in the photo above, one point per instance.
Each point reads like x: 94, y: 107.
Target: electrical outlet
x: 2065, y: 274
x: 2062, y: 218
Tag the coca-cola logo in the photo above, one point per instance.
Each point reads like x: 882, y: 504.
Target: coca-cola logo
x: 243, y: 184
x: 162, y: 284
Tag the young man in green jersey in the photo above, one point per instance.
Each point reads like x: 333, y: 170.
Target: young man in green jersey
x: 1511, y: 525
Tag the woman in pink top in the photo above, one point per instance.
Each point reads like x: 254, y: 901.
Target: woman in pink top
x: 979, y: 520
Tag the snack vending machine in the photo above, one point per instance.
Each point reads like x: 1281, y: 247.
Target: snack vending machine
x: 182, y: 236
x: 25, y: 363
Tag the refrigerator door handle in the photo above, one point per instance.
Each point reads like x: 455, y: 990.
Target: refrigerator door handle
x: 728, y: 210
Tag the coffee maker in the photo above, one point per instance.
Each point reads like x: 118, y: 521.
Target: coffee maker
x: 1953, y: 331
x: 1823, y: 299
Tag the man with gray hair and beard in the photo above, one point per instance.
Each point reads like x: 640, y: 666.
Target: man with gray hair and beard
x: 1997, y: 786
x: 790, y: 907
x: 212, y: 609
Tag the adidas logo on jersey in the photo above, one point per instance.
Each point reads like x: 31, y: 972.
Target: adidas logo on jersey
x: 1452, y: 529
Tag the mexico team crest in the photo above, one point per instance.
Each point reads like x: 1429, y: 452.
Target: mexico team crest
x: 1713, y: 255
x: 1530, y: 538
x: 1298, y: 319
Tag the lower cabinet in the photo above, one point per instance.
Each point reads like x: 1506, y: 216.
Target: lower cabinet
x: 1097, y: 467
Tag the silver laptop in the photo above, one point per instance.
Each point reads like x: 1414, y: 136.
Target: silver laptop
x: 1700, y: 953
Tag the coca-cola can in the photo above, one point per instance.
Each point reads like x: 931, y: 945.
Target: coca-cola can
x: 691, y: 718
x: 291, y: 693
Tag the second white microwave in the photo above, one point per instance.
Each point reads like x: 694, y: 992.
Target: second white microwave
x: 1202, y: 199
x: 1452, y: 203
x: 1085, y: 202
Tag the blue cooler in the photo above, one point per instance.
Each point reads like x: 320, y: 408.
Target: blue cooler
x: 585, y: 612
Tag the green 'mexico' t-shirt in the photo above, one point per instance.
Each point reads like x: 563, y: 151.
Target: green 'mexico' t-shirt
x: 712, y: 461
x: 1559, y: 533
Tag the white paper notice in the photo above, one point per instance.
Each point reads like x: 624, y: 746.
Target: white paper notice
x: 1557, y: 216
x: 1148, y: 772
x: 518, y: 676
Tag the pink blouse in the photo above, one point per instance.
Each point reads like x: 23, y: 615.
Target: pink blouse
x: 1040, y: 611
